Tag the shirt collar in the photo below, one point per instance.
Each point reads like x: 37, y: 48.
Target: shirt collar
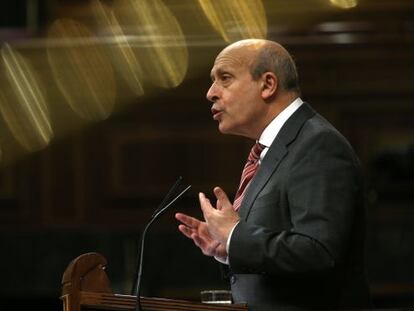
x: 270, y: 132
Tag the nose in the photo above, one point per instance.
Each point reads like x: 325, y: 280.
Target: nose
x: 212, y: 94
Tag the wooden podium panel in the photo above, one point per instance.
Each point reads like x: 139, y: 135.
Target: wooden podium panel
x: 86, y: 287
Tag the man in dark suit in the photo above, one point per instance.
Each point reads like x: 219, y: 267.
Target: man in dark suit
x: 295, y: 241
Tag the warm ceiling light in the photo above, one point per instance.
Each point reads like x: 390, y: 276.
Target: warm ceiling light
x: 22, y: 104
x: 122, y: 55
x: 236, y: 20
x: 160, y: 44
x: 81, y: 69
x: 344, y: 4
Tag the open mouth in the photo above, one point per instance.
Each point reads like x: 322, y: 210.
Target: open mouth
x: 215, y: 112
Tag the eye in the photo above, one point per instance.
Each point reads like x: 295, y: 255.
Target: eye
x: 225, y: 77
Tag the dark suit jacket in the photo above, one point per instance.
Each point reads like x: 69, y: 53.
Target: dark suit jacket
x: 299, y: 244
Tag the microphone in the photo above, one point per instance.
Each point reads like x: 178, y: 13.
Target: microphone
x: 168, y: 195
x: 158, y: 212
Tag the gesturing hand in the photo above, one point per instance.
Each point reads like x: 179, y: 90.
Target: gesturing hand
x: 211, y: 236
x: 220, y: 220
x: 198, y: 232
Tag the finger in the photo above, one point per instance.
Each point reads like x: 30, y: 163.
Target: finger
x: 187, y: 220
x: 219, y: 206
x: 188, y: 232
x: 205, y: 204
x: 222, y: 198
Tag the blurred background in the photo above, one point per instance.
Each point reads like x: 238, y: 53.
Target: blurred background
x: 102, y: 107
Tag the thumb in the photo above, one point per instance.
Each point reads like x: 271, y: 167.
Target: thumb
x: 222, y: 198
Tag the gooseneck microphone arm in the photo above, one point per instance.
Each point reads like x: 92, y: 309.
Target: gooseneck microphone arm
x: 169, y: 195
x: 159, y: 212
x: 160, y: 206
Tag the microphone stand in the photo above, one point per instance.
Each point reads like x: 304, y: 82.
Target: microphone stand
x: 160, y: 206
x: 137, y: 286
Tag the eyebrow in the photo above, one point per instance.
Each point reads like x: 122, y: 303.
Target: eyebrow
x: 219, y: 71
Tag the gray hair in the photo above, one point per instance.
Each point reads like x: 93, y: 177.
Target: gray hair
x: 274, y: 58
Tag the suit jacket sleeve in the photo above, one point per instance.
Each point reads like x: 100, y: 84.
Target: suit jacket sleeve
x: 318, y: 184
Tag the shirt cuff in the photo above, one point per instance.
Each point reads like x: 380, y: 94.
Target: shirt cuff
x: 225, y: 261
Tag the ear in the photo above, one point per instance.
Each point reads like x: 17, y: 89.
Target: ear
x: 269, y: 85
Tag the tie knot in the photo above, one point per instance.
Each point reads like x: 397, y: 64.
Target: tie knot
x: 255, y: 152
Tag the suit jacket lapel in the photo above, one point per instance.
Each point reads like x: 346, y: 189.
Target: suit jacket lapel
x: 277, y: 151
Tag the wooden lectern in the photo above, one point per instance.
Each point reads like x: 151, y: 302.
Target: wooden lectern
x: 86, y: 287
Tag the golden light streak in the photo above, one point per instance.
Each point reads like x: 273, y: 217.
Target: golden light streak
x: 236, y: 20
x: 157, y: 40
x: 23, y: 106
x: 344, y: 4
x: 123, y: 57
x: 82, y: 71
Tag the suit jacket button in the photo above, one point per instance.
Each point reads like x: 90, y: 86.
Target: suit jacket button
x: 233, y: 279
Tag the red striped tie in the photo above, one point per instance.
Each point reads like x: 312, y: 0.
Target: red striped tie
x: 248, y: 172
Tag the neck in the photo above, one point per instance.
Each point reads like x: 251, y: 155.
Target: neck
x: 280, y: 102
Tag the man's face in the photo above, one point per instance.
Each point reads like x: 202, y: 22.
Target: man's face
x: 237, y: 103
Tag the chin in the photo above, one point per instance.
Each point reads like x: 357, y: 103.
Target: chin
x: 233, y: 131
x: 222, y: 128
x: 226, y: 130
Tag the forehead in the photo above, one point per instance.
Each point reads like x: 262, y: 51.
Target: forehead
x: 235, y: 59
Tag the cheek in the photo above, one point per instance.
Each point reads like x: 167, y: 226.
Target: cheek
x: 238, y: 103
x: 236, y: 109
x: 244, y: 106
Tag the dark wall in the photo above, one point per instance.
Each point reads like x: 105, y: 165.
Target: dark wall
x: 94, y: 188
